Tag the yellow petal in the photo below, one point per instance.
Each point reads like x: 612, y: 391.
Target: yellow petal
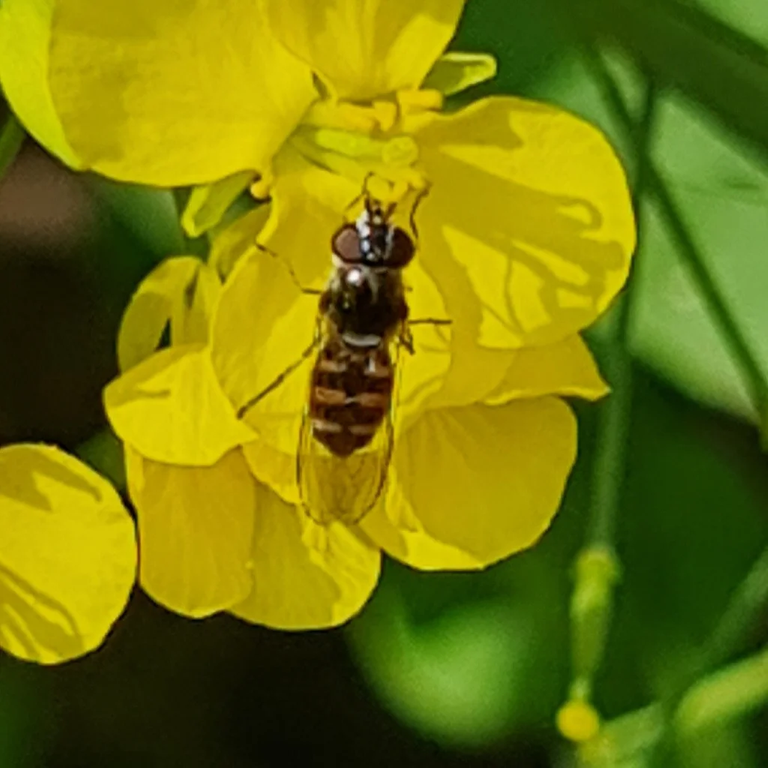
x: 564, y: 368
x: 530, y: 205
x: 181, y: 291
x: 456, y: 71
x: 274, y: 468
x: 195, y: 528
x: 193, y: 309
x: 25, y: 30
x: 170, y: 93
x: 308, y: 206
x: 67, y: 555
x: 208, y: 203
x: 369, y: 48
x: 171, y: 409
x: 236, y: 240
x: 473, y: 370
x: 262, y: 328
x: 422, y: 374
x: 305, y: 576
x: 472, y: 485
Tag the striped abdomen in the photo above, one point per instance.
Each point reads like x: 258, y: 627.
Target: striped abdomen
x: 350, y: 394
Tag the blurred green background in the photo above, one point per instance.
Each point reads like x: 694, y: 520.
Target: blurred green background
x: 442, y: 669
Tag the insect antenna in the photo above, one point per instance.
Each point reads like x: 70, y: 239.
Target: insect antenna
x: 364, y: 195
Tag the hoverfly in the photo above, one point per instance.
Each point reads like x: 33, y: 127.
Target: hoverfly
x: 347, y: 434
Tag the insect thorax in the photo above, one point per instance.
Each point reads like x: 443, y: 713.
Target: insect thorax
x: 361, y: 301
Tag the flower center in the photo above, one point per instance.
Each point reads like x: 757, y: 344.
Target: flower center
x: 363, y: 140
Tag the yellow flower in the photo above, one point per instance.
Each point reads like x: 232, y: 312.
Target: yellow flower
x: 67, y: 555
x: 524, y: 237
x: 219, y: 522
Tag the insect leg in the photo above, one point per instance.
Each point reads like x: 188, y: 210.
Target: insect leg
x: 420, y: 195
x: 291, y: 272
x: 406, y: 337
x: 243, y: 409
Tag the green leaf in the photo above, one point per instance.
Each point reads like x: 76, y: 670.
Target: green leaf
x: 750, y: 17
x: 148, y: 215
x: 722, y: 190
x: 687, y: 48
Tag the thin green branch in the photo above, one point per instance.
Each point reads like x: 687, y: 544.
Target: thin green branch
x: 12, y: 136
x: 743, y: 356
x: 610, y: 459
x: 596, y: 564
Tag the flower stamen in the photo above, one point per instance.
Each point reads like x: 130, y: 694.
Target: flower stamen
x: 356, y: 155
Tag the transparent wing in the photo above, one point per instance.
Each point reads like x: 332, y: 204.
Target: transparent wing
x: 345, y: 488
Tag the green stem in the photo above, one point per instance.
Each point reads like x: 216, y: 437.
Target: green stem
x: 610, y: 460
x: 740, y: 350
x: 596, y: 565
x: 12, y: 137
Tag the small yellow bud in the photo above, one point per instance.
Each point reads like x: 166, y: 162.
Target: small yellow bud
x: 578, y: 721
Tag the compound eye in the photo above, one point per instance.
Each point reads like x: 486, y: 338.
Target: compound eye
x: 346, y: 244
x: 402, y: 249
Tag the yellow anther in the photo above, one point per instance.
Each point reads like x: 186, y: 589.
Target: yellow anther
x: 342, y: 115
x: 386, y: 115
x: 356, y: 118
x: 419, y: 100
